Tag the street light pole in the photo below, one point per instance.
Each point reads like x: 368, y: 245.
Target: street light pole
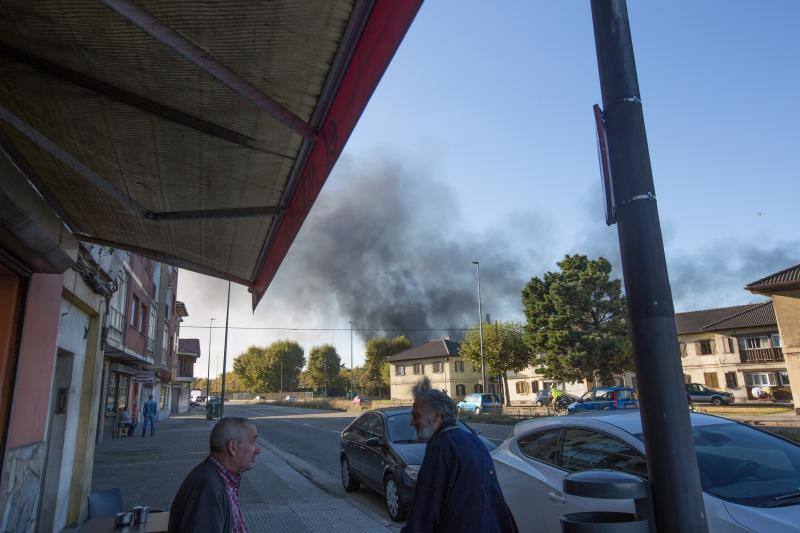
x: 667, y: 433
x: 225, y: 354
x: 352, y: 375
x: 480, y: 326
x: 208, y: 374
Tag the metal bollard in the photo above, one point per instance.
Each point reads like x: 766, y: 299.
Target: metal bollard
x: 608, y: 485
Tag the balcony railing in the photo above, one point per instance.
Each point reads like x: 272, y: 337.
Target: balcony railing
x: 761, y: 355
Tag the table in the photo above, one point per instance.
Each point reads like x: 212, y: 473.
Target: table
x: 156, y: 523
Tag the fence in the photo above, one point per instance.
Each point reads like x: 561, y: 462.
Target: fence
x: 270, y: 395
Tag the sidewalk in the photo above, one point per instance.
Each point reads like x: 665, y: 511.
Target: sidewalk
x: 274, y: 496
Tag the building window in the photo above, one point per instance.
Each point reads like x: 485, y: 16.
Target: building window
x: 151, y: 330
x: 419, y: 368
x: 731, y: 381
x: 522, y: 387
x: 535, y: 386
x: 117, y: 306
x: 165, y: 338
x: 475, y: 368
x: 111, y: 394
x: 438, y: 368
x: 776, y: 340
x: 683, y: 348
x: 762, y: 379
x: 141, y: 320
x: 754, y: 343
x: 460, y: 390
x: 134, y: 311
x: 478, y: 387
x: 728, y: 344
x: 706, y: 347
x: 162, y: 404
x: 783, y: 376
x: 687, y: 378
x: 459, y: 367
x: 399, y: 370
x: 712, y: 382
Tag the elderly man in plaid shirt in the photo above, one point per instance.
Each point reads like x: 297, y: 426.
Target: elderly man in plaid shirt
x: 208, y: 500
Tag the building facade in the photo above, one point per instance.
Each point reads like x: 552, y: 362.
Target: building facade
x: 188, y: 353
x: 438, y: 360
x: 523, y: 386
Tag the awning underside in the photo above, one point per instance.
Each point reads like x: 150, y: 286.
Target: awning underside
x: 100, y: 112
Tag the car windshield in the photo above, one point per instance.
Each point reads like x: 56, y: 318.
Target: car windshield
x: 400, y: 429
x: 747, y: 466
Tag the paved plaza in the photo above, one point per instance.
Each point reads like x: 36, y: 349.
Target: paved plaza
x: 274, y: 496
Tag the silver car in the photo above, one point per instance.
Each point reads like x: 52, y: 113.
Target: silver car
x: 750, y: 478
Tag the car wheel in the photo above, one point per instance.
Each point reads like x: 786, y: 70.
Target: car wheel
x: 477, y: 410
x: 716, y: 401
x: 538, y: 403
x: 350, y: 483
x: 391, y: 495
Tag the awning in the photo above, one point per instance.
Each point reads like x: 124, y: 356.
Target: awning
x: 196, y: 133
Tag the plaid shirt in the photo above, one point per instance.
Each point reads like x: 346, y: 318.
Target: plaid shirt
x: 231, y: 481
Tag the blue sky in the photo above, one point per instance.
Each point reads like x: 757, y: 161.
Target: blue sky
x: 492, y: 102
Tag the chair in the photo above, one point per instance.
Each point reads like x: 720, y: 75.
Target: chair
x: 105, y: 503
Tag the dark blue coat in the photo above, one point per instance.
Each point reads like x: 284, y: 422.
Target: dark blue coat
x: 457, y: 488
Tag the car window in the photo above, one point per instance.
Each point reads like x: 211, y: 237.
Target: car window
x: 587, y: 396
x: 400, y: 429
x: 486, y: 398
x: 497, y: 399
x: 624, y: 394
x: 584, y: 449
x: 540, y: 446
x: 604, y: 395
x: 374, y: 425
x: 361, y: 422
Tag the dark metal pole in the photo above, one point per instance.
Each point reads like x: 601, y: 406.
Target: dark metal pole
x: 225, y: 354
x: 671, y: 460
x: 480, y: 326
x: 208, y: 374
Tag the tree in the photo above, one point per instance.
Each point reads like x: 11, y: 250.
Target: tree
x: 577, y: 321
x: 267, y: 369
x: 323, y: 366
x: 376, y: 368
x: 504, y: 349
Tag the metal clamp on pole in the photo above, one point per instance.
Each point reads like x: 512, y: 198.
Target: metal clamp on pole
x: 608, y: 485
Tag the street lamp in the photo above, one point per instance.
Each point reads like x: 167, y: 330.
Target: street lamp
x: 352, y: 376
x: 480, y: 327
x: 208, y: 374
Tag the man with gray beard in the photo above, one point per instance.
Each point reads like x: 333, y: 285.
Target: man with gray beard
x: 457, y: 488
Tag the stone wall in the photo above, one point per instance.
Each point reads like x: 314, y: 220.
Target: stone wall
x: 19, y: 488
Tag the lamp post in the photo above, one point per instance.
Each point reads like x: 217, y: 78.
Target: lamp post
x: 225, y: 355
x: 208, y: 374
x: 352, y: 376
x: 480, y: 326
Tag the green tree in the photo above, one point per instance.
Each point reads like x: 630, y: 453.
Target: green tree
x: 267, y: 368
x: 577, y: 321
x: 504, y: 349
x: 376, y: 369
x: 323, y: 366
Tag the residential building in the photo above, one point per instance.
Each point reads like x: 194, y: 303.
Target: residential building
x: 141, y: 340
x: 783, y: 289
x: 524, y: 385
x: 440, y: 362
x: 188, y: 353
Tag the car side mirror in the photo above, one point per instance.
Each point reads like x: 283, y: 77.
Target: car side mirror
x: 375, y: 441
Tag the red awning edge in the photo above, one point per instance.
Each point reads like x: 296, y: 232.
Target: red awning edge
x: 388, y: 23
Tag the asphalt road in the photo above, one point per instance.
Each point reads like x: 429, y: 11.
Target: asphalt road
x: 308, y: 439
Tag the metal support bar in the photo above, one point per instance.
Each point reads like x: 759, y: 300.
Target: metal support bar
x: 238, y: 212
x: 188, y: 50
x: 671, y: 460
x: 134, y: 100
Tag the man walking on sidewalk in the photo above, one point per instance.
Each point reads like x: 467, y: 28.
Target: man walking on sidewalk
x: 149, y: 412
x: 457, y: 489
x: 208, y: 500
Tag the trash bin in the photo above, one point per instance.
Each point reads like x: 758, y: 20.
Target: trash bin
x: 607, y: 485
x: 212, y: 409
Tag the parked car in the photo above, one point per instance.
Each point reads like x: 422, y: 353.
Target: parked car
x: 380, y: 449
x: 290, y: 398
x: 700, y: 393
x: 200, y: 399
x: 542, y: 397
x: 605, y: 399
x: 750, y: 478
x: 361, y: 401
x: 480, y: 403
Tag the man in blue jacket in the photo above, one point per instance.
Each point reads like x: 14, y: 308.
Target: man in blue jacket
x: 149, y: 412
x: 457, y: 487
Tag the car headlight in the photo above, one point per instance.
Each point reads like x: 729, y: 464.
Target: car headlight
x: 412, y: 471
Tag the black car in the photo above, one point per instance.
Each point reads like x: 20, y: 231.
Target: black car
x: 380, y: 450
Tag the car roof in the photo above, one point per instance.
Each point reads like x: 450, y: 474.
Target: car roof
x: 391, y: 411
x: 627, y: 420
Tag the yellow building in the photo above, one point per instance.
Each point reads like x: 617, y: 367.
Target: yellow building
x: 440, y: 362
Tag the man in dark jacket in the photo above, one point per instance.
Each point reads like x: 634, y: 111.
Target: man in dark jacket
x: 457, y: 488
x: 208, y: 499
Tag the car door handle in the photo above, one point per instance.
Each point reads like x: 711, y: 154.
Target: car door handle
x: 557, y: 498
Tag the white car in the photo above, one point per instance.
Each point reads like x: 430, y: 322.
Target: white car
x: 750, y: 478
